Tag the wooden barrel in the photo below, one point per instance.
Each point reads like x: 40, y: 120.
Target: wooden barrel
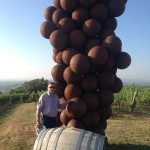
x: 69, y: 139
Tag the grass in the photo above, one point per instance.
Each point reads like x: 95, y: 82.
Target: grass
x: 17, y: 130
x: 129, y: 131
x: 128, y: 134
x: 124, y: 131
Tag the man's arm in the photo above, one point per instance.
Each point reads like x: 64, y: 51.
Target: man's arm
x: 38, y: 115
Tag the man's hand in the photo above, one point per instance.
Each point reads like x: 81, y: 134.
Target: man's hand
x: 38, y: 125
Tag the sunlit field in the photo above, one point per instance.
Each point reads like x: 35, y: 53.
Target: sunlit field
x: 125, y: 131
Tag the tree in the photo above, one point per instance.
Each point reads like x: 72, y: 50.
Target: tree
x: 32, y: 86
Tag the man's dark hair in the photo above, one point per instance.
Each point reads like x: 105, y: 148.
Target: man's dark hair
x: 51, y: 83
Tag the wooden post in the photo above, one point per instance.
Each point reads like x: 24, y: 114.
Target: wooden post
x: 133, y: 104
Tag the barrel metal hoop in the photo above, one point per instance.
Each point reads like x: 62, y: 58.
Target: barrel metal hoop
x: 80, y: 139
x: 101, y: 143
x: 97, y: 140
x: 49, y: 136
x: 56, y: 139
x: 89, y: 141
x: 39, y: 139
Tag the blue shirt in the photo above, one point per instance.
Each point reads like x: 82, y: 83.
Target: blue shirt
x: 48, y: 104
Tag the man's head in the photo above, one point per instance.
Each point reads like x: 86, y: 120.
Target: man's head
x: 51, y: 87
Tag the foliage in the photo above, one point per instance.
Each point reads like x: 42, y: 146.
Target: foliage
x: 28, y: 92
x: 4, y: 99
x: 33, y: 89
x: 125, y: 96
x: 18, y: 98
x: 32, y: 86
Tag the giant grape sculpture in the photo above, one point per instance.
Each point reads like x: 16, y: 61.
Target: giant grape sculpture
x: 87, y: 53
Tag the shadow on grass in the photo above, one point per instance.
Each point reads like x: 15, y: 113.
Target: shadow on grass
x: 6, y: 110
x: 128, y: 147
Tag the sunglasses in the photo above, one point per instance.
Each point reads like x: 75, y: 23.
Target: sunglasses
x: 51, y: 87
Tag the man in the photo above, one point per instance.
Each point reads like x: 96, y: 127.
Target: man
x: 48, y: 106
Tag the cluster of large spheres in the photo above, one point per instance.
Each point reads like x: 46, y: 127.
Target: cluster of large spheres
x: 87, y: 53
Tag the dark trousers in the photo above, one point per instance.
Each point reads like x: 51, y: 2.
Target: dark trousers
x: 49, y: 122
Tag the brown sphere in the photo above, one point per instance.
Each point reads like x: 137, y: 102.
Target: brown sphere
x: 54, y: 57
x: 113, y: 71
x: 106, y: 79
x: 116, y: 8
x: 72, y: 91
x: 91, y: 100
x: 60, y: 87
x: 58, y: 121
x: 59, y: 39
x: 92, y: 69
x: 87, y: 3
x: 58, y: 58
x: 98, y: 55
x: 75, y: 124
x: 57, y: 72
x: 92, y: 27
x: 64, y: 118
x: 117, y: 86
x: 103, y: 1
x: 99, y: 130
x: 69, y: 5
x: 49, y: 12
x: 68, y: 53
x: 91, y: 119
x: 99, y: 12
x: 57, y: 3
x: 80, y: 14
x: 110, y: 23
x: 76, y: 108
x: 109, y: 64
x: 79, y: 63
x: 113, y: 44
x: 56, y: 51
x: 106, y: 97
x: 58, y: 14
x: 67, y: 25
x: 70, y: 77
x: 105, y: 33
x: 103, y: 124
x: 91, y: 43
x: 77, y: 38
x: 89, y: 83
x: 105, y: 112
x: 122, y: 60
x: 47, y: 28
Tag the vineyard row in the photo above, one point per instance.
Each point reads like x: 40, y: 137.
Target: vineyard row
x: 124, y: 97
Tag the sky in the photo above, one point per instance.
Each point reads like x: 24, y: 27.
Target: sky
x: 25, y: 54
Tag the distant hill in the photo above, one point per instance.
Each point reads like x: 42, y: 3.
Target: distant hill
x: 136, y: 82
x: 6, y: 86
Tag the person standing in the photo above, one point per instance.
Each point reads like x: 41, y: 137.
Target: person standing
x: 47, y: 108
